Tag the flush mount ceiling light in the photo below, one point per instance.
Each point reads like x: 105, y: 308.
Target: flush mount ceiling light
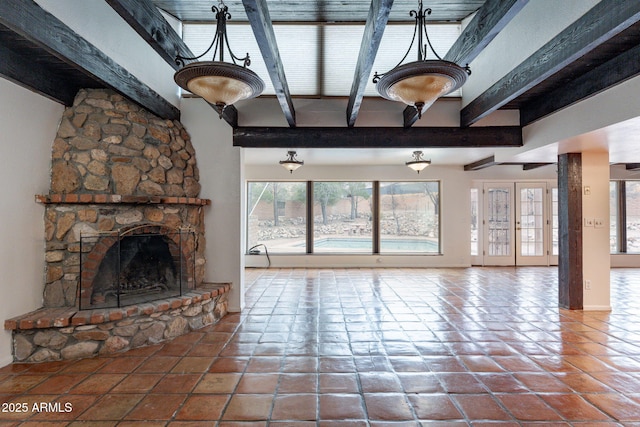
x: 418, y: 163
x: 219, y: 83
x: 291, y: 163
x: 421, y: 83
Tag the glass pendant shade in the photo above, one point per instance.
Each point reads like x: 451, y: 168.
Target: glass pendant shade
x: 421, y: 83
x: 219, y: 83
x: 418, y: 163
x: 291, y: 163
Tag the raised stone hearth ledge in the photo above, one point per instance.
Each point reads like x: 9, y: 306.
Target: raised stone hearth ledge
x: 97, y: 199
x: 50, y: 334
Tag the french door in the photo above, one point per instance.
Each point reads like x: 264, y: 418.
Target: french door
x: 519, y: 224
x: 531, y: 224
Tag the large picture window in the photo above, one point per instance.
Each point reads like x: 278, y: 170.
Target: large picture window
x: 277, y: 216
x: 409, y: 217
x: 344, y: 217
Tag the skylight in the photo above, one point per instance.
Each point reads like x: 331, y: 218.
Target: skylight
x: 320, y: 60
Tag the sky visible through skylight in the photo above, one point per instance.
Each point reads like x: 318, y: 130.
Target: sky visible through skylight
x: 320, y: 60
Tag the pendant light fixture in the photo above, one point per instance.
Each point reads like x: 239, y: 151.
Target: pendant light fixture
x: 291, y: 163
x: 421, y: 83
x: 219, y: 83
x: 418, y: 163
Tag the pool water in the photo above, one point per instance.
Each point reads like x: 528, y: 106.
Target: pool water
x: 386, y: 245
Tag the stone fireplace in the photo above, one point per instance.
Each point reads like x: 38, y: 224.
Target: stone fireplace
x: 124, y: 235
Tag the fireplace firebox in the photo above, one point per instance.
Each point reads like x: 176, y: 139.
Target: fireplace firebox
x: 135, y: 266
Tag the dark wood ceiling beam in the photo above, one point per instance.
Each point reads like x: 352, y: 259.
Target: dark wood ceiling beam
x: 490, y: 19
x: 481, y: 164
x: 613, y: 72
x: 532, y: 166
x: 373, y: 31
x: 36, y: 77
x: 258, y: 14
x: 148, y: 22
x: 372, y: 137
x: 599, y: 24
x: 33, y: 23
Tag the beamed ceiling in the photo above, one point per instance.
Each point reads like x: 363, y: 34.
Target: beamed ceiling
x: 601, y: 49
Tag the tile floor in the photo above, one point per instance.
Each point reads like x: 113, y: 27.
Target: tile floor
x: 363, y: 347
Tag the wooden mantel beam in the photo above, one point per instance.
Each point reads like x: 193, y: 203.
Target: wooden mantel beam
x: 374, y: 137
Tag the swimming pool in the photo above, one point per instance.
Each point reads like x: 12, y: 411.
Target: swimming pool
x: 386, y: 245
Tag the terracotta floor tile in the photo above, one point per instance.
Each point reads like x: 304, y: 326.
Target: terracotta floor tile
x: 248, y: 407
x: 434, y: 407
x: 258, y: 383
x: 58, y: 384
x: 20, y: 384
x: 481, y: 407
x: 341, y: 407
x: 298, y: 383
x: 122, y: 365
x: 205, y: 407
x: 137, y: 383
x: 177, y: 383
x: 111, y: 407
x: 98, y: 384
x: 157, y: 407
x: 501, y: 383
x: 264, y: 364
x: 616, y: 406
x: 582, y: 382
x: 542, y: 382
x: 67, y: 407
x: 379, y: 382
x: 367, y: 348
x: 192, y: 365
x: 229, y: 364
x: 460, y: 382
x: 528, y: 407
x: 338, y: 383
x: 420, y: 383
x: 388, y: 406
x: 300, y: 364
x: 295, y: 407
x: 574, y: 408
x: 217, y: 383
x: 157, y: 364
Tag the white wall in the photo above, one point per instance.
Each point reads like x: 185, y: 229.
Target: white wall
x: 222, y: 181
x: 101, y: 26
x: 29, y: 123
x: 596, y: 259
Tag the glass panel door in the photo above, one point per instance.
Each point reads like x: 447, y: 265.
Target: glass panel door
x: 531, y: 224
x: 498, y: 224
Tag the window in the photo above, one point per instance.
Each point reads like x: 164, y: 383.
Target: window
x: 613, y: 216
x: 277, y: 216
x: 342, y: 217
x: 474, y: 222
x: 409, y: 217
x: 632, y: 214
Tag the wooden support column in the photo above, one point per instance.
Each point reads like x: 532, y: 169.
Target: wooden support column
x: 570, y: 269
